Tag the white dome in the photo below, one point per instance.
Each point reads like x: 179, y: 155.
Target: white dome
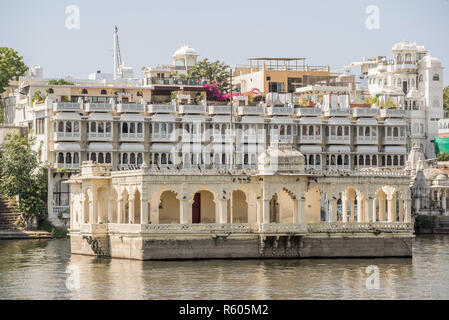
x: 407, y: 45
x: 185, y: 50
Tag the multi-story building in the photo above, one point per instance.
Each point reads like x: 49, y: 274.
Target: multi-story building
x: 413, y: 81
x: 281, y: 75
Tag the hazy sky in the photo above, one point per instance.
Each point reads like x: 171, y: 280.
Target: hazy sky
x: 325, y: 32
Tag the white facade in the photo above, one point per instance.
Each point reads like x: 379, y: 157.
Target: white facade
x: 413, y: 80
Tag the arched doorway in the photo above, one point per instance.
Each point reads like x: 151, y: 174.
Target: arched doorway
x: 239, y: 208
x: 282, y: 207
x: 203, y: 207
x: 169, y: 208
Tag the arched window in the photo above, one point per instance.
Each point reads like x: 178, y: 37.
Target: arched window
x: 368, y: 160
x: 304, y: 130
x: 100, y: 157
x: 245, y: 159
x: 132, y: 158
x: 60, y: 157
x: 374, y: 160
x: 282, y: 130
x: 395, y: 132
x: 339, y: 131
x: 388, y: 160
x: 76, y: 157
x: 289, y: 130
x: 132, y: 127
x: 139, y: 128
x: 50, y: 91
x: 76, y: 126
x: 125, y: 127
x: 395, y: 161
x: 108, y: 158
x: 125, y: 158
x: 311, y: 160
x: 402, y: 160
x: 339, y: 160
x: 361, y: 160
x: 163, y: 158
x: 93, y: 127
x: 108, y: 127
x: 103, y: 91
x: 100, y: 127
x: 93, y: 157
x: 60, y: 126
x: 139, y: 159
x: 84, y: 91
x: 367, y: 131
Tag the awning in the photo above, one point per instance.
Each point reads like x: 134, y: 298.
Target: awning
x: 367, y: 121
x: 132, y: 117
x: 100, y: 117
x: 339, y: 149
x: 287, y: 120
x: 395, y: 149
x: 395, y: 122
x: 339, y: 121
x: 132, y: 147
x: 99, y: 146
x: 367, y: 149
x: 162, y: 147
x: 252, y: 119
x: 67, y: 146
x: 67, y: 116
x: 195, y: 148
x: 310, y: 120
x: 310, y: 149
x: 163, y: 118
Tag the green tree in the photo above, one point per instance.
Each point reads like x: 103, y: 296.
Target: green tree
x: 444, y: 156
x: 446, y: 98
x: 22, y: 176
x: 59, y: 82
x: 11, y: 67
x: 211, y: 71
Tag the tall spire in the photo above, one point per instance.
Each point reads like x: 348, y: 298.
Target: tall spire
x: 118, y: 71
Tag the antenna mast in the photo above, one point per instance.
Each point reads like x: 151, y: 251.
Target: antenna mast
x: 118, y: 70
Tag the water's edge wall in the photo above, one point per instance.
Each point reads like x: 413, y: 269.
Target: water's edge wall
x: 243, y: 246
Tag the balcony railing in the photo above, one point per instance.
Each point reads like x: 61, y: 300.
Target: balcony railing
x: 304, y: 111
x: 105, y: 107
x: 337, y: 112
x: 364, y: 112
x: 67, y: 106
x: 172, y: 81
x: 362, y: 139
x: 67, y: 166
x: 339, y: 139
x: 130, y: 107
x: 219, y: 109
x: 67, y: 136
x: 107, y: 136
x: 389, y: 113
x: 163, y: 137
x: 132, y: 136
x: 311, y: 139
x: 273, y: 111
x: 161, y: 108
x: 192, y: 109
x: 247, y: 111
x: 394, y: 139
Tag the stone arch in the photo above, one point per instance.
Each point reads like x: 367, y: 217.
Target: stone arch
x: 238, y: 207
x: 204, y: 206
x: 168, y: 208
x: 101, y: 206
x: 282, y: 207
x: 125, y: 206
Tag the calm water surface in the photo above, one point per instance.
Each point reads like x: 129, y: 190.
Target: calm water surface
x: 38, y: 269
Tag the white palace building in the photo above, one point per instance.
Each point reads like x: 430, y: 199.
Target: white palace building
x: 313, y: 175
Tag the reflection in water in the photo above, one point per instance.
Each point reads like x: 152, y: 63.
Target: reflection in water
x: 37, y: 270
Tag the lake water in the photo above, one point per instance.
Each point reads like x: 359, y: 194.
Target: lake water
x: 44, y: 269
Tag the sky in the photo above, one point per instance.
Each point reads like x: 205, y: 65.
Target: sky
x: 325, y: 32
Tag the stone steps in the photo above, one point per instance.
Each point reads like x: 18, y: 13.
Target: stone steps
x: 8, y: 215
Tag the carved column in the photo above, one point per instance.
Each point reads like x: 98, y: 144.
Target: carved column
x: 391, y: 208
x: 131, y: 209
x: 266, y: 211
x: 144, y: 210
x: 344, y: 206
x: 183, y: 211
x: 222, y: 216
x: 407, y: 210
x: 369, y: 210
x: 360, y: 208
x: 119, y: 209
x: 333, y: 210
